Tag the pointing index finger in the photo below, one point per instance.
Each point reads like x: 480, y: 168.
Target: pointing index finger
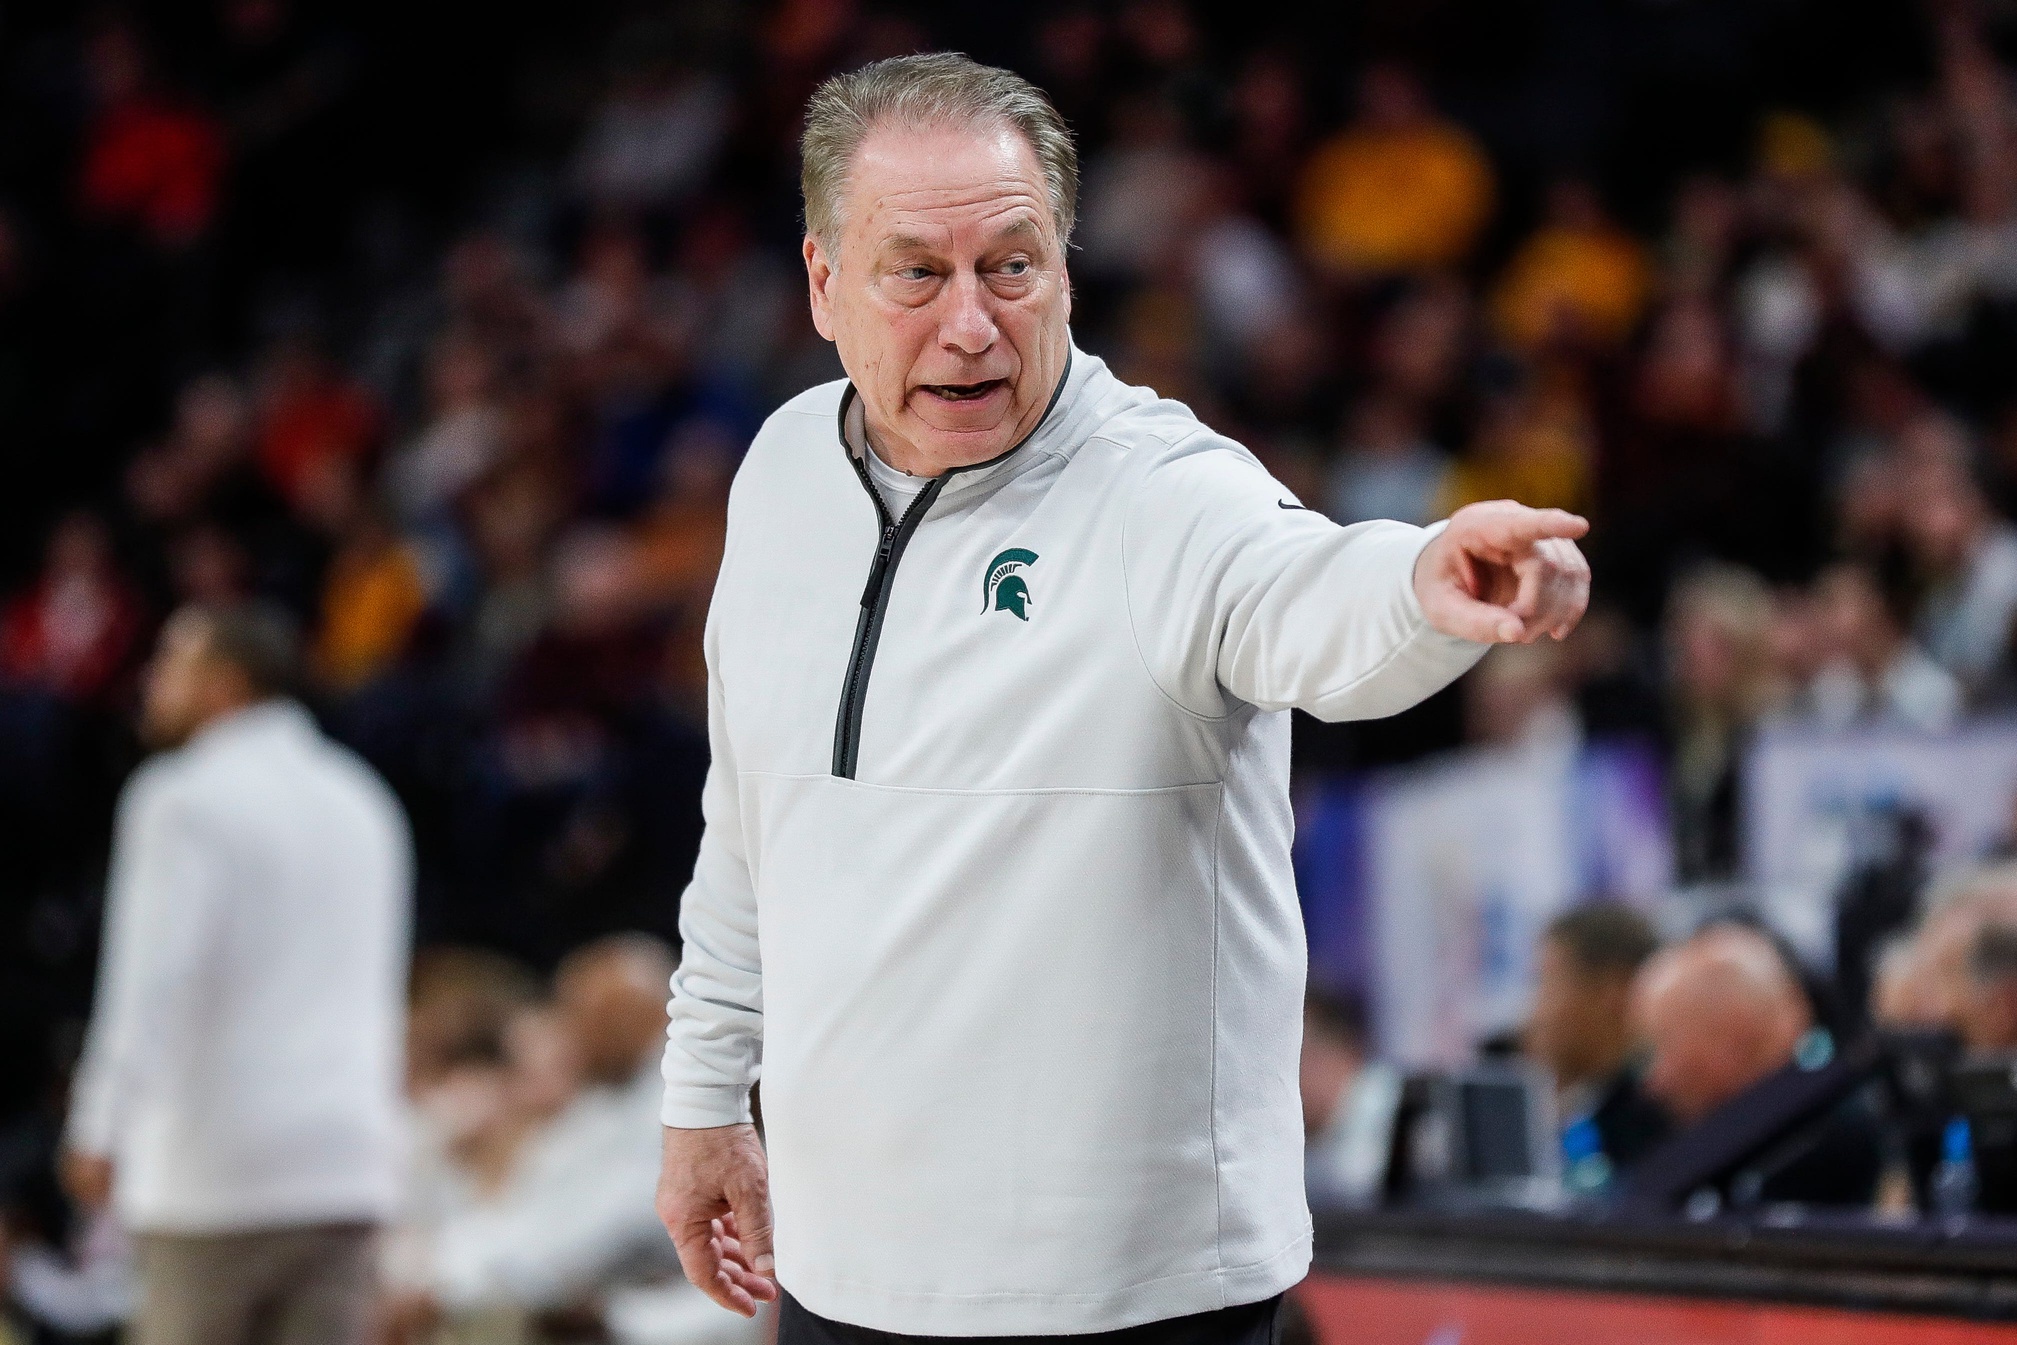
x: 1535, y: 525
x: 1506, y: 530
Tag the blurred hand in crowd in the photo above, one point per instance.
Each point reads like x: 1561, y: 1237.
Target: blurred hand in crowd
x: 1502, y: 573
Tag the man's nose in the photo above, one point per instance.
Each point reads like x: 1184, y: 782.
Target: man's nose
x: 968, y: 326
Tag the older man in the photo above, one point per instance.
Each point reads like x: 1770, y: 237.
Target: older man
x: 995, y: 883
x: 1725, y: 1020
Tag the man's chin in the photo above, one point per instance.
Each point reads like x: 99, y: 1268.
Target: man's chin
x: 959, y: 438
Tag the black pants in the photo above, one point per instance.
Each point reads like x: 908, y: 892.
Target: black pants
x: 1247, y: 1324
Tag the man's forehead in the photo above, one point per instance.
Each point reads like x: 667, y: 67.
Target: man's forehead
x: 923, y: 184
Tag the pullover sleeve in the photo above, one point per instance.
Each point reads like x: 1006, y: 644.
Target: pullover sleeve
x: 714, y: 1036
x: 163, y: 894
x: 1239, y: 594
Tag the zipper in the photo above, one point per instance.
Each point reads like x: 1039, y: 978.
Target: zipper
x: 896, y: 535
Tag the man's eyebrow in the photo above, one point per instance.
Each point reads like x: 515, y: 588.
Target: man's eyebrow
x: 1023, y: 226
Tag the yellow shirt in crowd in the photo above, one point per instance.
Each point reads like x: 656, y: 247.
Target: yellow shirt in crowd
x: 1403, y: 199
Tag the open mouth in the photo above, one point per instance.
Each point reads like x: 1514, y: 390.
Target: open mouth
x: 963, y: 392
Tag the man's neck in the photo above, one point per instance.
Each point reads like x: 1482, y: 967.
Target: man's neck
x: 221, y: 713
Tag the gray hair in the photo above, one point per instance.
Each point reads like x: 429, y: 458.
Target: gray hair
x: 936, y: 89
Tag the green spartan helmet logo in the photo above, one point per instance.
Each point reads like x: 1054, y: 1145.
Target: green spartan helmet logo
x: 1005, y: 590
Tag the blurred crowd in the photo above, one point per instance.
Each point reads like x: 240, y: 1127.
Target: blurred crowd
x: 294, y: 304
x: 531, y: 1150
x: 1650, y: 1047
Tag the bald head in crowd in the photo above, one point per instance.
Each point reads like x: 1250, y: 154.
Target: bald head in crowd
x: 610, y: 996
x: 1719, y: 1013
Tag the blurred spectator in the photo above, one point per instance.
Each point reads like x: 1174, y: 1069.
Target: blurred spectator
x: 150, y: 159
x: 1580, y: 1029
x: 1579, y: 281
x: 1419, y: 348
x: 464, y: 433
x: 1720, y: 684
x: 201, y: 466
x: 1399, y: 189
x: 1681, y: 476
x: 1245, y: 276
x: 71, y: 633
x: 1141, y: 193
x: 1989, y: 1011
x: 1270, y: 110
x: 655, y: 134
x: 1532, y: 443
x: 573, y: 1211
x: 1387, y: 469
x: 1515, y: 700
x: 1926, y: 980
x: 1349, y: 1100
x: 237, y: 1098
x: 313, y: 422
x: 372, y: 599
x: 1723, y: 1015
x: 459, y: 1002
x: 1874, y: 673
x: 1963, y: 551
x: 734, y: 299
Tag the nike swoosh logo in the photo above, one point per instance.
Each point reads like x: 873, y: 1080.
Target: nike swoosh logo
x: 1284, y: 504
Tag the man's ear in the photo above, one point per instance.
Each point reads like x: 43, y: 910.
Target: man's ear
x: 818, y: 276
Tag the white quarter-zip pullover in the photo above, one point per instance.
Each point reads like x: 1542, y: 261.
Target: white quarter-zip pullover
x: 243, y: 1064
x: 995, y: 886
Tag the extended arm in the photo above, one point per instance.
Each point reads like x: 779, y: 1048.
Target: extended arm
x: 1237, y: 593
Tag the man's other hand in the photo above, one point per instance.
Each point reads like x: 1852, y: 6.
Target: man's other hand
x: 714, y: 1198
x: 1502, y: 573
x: 87, y: 1179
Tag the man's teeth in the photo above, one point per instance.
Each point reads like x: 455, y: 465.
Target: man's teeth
x: 962, y: 392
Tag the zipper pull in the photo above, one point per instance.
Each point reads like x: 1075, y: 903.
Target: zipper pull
x: 875, y: 571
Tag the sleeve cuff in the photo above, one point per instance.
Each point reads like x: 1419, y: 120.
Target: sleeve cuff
x: 90, y: 1127
x: 1411, y: 601
x: 704, y: 1106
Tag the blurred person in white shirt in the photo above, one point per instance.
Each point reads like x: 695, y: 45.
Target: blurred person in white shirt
x: 573, y: 1215
x: 1961, y: 548
x: 238, y: 1097
x: 1875, y: 675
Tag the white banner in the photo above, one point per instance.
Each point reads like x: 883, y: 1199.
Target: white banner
x: 1466, y: 861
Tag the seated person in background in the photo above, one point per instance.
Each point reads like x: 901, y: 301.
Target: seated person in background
x: 573, y: 1214
x: 1875, y: 675
x: 1581, y: 1031
x: 1348, y: 1104
x: 1988, y: 1008
x: 1724, y: 1017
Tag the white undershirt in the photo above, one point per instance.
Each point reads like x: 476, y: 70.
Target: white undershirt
x: 897, y: 487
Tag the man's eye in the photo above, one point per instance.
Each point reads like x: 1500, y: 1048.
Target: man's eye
x: 914, y: 273
x: 1019, y: 267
